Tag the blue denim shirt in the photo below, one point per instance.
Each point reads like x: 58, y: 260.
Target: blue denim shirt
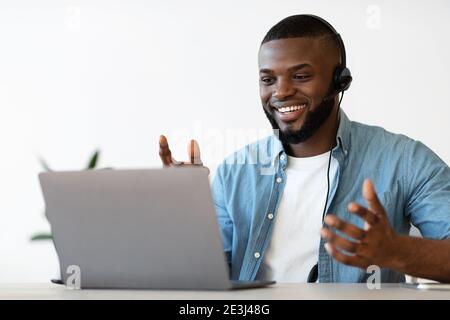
x: 411, y: 181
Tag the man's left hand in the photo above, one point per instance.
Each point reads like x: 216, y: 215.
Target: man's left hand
x: 375, y: 245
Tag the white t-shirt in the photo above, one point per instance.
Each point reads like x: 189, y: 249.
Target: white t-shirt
x: 294, y: 247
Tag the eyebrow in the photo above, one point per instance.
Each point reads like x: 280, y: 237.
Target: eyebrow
x: 296, y: 67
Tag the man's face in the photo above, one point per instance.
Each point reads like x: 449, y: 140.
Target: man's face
x: 295, y: 77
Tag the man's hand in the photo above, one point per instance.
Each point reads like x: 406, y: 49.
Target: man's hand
x: 375, y: 245
x: 168, y: 161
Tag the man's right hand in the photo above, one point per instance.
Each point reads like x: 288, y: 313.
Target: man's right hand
x: 168, y: 161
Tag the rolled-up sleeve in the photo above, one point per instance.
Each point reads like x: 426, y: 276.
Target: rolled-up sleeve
x: 428, y: 191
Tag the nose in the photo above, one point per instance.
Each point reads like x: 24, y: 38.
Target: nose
x: 283, y: 89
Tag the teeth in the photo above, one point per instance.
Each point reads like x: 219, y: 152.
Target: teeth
x: 291, y: 108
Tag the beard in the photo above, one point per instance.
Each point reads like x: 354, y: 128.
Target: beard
x: 313, y: 121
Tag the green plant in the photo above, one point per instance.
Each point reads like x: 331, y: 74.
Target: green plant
x: 92, y: 164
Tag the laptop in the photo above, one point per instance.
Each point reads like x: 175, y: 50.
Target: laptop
x: 137, y: 229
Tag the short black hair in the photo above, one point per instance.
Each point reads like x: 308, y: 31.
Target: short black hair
x: 301, y: 25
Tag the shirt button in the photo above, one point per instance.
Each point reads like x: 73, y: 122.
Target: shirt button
x: 282, y: 157
x: 279, y: 180
x: 270, y: 216
x: 257, y: 255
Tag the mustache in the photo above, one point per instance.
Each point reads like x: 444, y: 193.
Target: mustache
x: 313, y: 121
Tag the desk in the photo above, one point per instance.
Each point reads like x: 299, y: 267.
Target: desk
x: 284, y: 291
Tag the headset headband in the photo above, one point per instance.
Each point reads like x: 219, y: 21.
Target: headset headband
x: 338, y: 36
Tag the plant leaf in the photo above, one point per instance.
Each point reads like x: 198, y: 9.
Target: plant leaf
x: 41, y: 236
x: 44, y: 164
x: 93, y: 162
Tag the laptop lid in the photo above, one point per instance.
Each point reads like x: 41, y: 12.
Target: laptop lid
x: 136, y: 228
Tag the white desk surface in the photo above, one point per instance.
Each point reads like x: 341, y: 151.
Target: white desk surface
x: 284, y: 291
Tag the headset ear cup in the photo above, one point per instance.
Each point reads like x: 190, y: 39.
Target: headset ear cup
x: 342, y: 79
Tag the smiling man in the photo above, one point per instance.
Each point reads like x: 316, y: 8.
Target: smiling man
x: 341, y: 195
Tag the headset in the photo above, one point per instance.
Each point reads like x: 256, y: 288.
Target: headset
x: 341, y: 81
x: 342, y: 76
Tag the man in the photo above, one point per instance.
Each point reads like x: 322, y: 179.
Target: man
x: 270, y: 220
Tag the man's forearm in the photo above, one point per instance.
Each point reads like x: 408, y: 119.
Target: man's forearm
x: 423, y: 258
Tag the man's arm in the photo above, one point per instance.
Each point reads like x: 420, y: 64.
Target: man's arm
x: 423, y: 258
x: 378, y: 244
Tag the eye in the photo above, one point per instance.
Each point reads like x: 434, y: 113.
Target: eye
x: 302, y: 76
x: 266, y: 80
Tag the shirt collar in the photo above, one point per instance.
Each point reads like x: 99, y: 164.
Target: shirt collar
x: 342, y: 137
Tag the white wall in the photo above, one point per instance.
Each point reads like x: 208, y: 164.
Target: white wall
x: 77, y: 75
